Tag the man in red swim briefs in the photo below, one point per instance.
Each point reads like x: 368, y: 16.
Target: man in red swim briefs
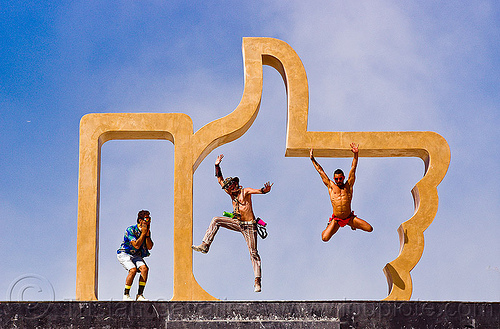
x: 341, y: 197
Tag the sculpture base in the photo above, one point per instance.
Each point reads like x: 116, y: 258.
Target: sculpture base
x: 251, y: 314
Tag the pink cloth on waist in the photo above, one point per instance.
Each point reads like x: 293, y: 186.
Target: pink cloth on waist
x: 342, y: 222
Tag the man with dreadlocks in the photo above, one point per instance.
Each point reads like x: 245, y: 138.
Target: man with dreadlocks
x: 243, y: 220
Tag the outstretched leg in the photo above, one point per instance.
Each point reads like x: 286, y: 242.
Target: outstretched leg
x: 330, y: 230
x: 361, y: 224
x: 226, y: 222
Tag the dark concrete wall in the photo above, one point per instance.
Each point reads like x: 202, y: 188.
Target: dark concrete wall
x: 285, y: 314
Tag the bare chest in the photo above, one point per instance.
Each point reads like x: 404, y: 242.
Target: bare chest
x: 242, y: 202
x: 340, y: 196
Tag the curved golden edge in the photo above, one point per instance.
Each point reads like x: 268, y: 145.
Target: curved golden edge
x: 411, y: 232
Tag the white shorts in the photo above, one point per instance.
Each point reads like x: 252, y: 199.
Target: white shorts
x: 129, y: 261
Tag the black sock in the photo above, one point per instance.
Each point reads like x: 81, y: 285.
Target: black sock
x: 141, y: 288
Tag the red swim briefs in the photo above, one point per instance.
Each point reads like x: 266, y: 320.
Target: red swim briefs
x: 342, y: 222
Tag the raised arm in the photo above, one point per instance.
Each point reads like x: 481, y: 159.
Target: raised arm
x: 148, y: 240
x: 262, y: 190
x: 218, y: 171
x: 320, y: 170
x: 352, y: 172
x: 143, y: 237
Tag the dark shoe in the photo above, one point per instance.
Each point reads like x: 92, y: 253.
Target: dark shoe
x: 203, y: 248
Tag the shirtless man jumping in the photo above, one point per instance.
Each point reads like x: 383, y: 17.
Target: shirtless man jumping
x: 341, y: 197
x: 243, y: 220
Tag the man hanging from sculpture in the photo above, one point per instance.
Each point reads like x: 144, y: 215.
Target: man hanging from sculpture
x: 243, y: 219
x: 341, y: 197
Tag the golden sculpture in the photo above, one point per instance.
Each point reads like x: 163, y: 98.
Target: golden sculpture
x: 191, y: 148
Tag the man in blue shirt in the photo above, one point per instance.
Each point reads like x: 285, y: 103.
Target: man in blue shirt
x: 135, y: 246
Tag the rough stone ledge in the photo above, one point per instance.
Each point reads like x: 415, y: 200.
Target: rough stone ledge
x: 250, y: 314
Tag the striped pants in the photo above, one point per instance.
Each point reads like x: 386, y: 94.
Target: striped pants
x: 249, y: 232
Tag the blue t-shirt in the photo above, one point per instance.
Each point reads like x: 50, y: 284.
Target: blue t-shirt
x: 133, y: 233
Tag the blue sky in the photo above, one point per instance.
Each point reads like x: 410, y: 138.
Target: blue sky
x: 377, y: 66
